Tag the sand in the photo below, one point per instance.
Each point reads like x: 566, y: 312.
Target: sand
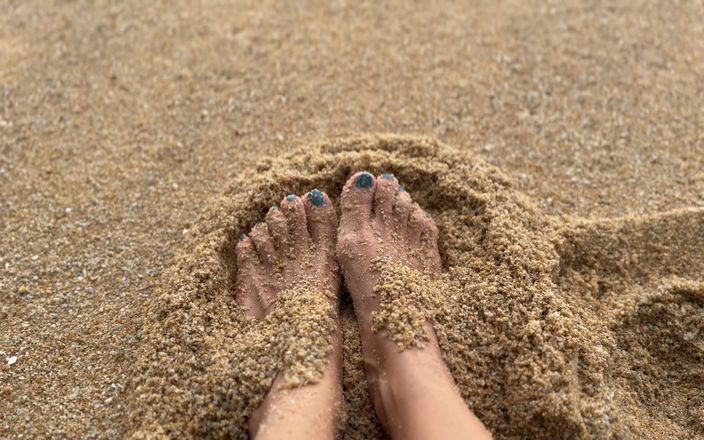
x: 551, y: 327
x: 124, y: 128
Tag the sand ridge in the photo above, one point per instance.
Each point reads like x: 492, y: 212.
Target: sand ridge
x: 535, y: 351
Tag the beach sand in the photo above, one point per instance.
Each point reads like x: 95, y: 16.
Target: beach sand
x: 558, y: 146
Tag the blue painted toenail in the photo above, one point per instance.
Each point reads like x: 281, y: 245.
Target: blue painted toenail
x: 274, y: 208
x: 364, y: 181
x: 401, y: 189
x: 388, y: 176
x: 291, y: 197
x: 316, y: 197
x: 242, y: 237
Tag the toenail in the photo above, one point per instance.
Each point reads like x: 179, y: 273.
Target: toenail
x: 274, y: 208
x: 401, y: 189
x: 242, y: 237
x: 388, y: 176
x: 291, y: 197
x: 364, y: 181
x: 316, y: 197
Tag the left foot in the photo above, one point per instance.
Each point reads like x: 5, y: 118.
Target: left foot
x: 295, y: 245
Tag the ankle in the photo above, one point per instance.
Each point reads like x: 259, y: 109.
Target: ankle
x: 420, y: 399
x: 410, y: 388
x: 405, y: 376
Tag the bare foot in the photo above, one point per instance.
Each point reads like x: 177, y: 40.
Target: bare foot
x: 413, y: 392
x: 294, y: 245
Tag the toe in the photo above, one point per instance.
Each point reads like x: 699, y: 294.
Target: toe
x: 264, y: 244
x: 403, y: 206
x: 295, y: 213
x: 247, y: 273
x: 278, y: 228
x: 423, y: 234
x: 322, y: 219
x: 429, y: 243
x: 416, y: 225
x: 384, y: 198
x: 356, y: 201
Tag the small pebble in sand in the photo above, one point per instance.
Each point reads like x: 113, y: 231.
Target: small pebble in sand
x: 11, y: 360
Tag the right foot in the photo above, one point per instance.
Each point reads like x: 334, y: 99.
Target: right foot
x: 413, y: 391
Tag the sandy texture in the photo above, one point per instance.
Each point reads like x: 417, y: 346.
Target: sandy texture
x: 551, y: 327
x: 120, y: 124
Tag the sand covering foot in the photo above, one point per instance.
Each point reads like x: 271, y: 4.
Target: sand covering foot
x: 552, y: 327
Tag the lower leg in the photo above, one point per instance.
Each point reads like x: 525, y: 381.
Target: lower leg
x: 309, y: 412
x: 418, y: 394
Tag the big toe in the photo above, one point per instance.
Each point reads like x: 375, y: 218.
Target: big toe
x: 357, y: 200
x: 322, y: 219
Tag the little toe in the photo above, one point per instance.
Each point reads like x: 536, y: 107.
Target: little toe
x: 278, y: 228
x: 417, y: 225
x: 295, y: 212
x: 356, y: 201
x: 384, y: 197
x: 322, y: 219
x: 423, y: 234
x: 429, y: 243
x: 264, y: 244
x: 247, y: 275
x: 403, y: 205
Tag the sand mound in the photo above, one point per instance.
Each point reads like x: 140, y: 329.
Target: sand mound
x: 552, y: 327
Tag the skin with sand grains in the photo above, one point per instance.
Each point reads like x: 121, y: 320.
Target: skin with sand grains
x: 414, y: 394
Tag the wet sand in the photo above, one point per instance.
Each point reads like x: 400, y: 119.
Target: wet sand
x: 125, y: 133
